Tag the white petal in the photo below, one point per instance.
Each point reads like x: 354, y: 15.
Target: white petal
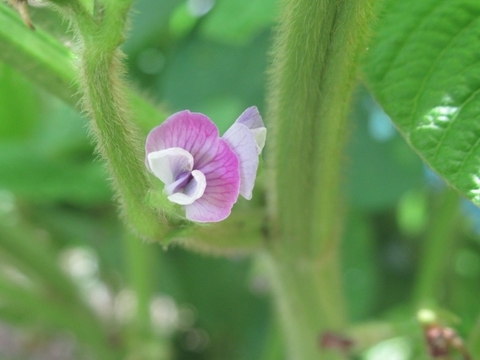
x: 169, y: 163
x: 193, y: 191
x: 252, y: 119
x: 260, y: 135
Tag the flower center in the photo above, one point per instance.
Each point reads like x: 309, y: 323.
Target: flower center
x: 188, y: 187
x: 174, y: 166
x: 180, y: 182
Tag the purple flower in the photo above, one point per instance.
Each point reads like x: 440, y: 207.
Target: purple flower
x: 201, y: 171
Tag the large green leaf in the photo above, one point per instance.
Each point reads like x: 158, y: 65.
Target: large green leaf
x: 424, y: 69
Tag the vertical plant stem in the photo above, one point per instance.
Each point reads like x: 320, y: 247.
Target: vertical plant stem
x: 315, y: 62
x: 309, y: 301
x: 437, y: 249
x: 139, y: 261
x: 142, y: 269
x: 473, y: 343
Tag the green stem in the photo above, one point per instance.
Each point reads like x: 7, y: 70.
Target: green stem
x: 105, y: 100
x: 142, y: 273
x: 473, y: 343
x: 368, y: 334
x: 308, y: 301
x: 316, y: 56
x: 316, y: 60
x: 40, y: 57
x: 47, y: 62
x: 139, y: 262
x: 50, y: 64
x: 437, y: 249
x: 240, y: 233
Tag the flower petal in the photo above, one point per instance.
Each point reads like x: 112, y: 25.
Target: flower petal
x: 242, y: 141
x: 193, y: 191
x: 260, y: 136
x: 252, y: 119
x: 223, y: 182
x: 179, y: 184
x: 169, y: 163
x: 193, y: 132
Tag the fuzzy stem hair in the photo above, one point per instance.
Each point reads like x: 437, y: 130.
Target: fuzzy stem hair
x: 312, y: 79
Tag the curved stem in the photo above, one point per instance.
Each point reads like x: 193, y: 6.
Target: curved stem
x: 105, y: 96
x: 49, y: 63
x: 105, y: 99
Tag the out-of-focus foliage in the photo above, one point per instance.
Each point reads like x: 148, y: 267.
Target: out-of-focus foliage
x: 211, y: 56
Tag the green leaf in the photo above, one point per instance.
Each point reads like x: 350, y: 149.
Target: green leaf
x: 423, y: 68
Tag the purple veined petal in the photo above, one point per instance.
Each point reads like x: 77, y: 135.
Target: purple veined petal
x: 169, y: 163
x: 252, y: 119
x: 193, y: 132
x: 193, y: 191
x: 223, y: 183
x: 242, y: 142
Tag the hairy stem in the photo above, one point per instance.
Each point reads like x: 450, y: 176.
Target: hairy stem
x: 37, y: 55
x: 106, y: 101
x: 104, y: 94
x: 50, y: 64
x: 316, y: 57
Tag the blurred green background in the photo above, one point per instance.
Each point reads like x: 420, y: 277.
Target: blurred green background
x: 57, y: 212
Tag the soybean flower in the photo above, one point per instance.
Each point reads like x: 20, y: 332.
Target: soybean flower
x: 202, y: 171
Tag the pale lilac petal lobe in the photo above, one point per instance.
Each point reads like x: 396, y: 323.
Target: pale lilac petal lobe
x: 242, y: 142
x: 251, y: 118
x: 223, y: 182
